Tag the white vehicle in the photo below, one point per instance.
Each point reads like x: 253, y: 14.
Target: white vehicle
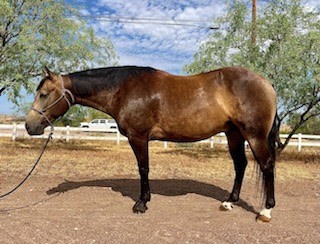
x: 108, y: 125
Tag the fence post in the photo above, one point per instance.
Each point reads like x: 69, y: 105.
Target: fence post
x: 212, y: 142
x: 14, y: 132
x: 118, y: 137
x: 299, y: 142
x: 68, y: 133
x: 165, y: 144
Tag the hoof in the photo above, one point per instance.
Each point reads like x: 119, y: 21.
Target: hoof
x: 226, y: 206
x: 264, y: 216
x: 140, y: 207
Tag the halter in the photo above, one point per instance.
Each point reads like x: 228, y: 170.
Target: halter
x: 64, y: 93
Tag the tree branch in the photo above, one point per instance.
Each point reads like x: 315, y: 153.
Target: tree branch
x: 303, y: 119
x: 2, y: 89
x: 289, y: 111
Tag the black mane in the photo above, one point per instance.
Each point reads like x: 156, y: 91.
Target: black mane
x: 91, y: 81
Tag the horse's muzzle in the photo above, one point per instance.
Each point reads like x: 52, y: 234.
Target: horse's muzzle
x: 34, y: 130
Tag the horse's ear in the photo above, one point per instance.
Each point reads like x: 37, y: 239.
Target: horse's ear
x: 46, y: 72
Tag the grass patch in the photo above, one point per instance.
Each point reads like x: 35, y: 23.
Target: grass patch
x: 104, y: 159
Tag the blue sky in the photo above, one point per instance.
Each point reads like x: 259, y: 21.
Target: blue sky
x: 165, y: 47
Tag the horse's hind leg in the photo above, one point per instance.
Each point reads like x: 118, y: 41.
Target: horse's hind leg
x: 237, y: 151
x: 262, y: 152
x: 140, y: 149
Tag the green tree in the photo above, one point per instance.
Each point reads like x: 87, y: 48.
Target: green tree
x: 96, y: 114
x: 35, y: 33
x: 75, y: 115
x: 78, y: 114
x: 287, y: 52
x: 312, y: 127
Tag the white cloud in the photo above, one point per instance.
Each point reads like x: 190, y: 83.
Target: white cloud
x: 313, y: 4
x: 161, y: 46
x: 156, y: 45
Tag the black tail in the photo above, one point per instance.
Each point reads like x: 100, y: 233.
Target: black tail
x: 273, y: 137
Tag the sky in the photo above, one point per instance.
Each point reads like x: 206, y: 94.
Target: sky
x: 168, y: 46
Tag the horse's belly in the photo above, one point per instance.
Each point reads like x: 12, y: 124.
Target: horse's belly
x: 188, y: 130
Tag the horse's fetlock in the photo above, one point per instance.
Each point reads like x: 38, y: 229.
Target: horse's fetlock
x: 234, y: 197
x: 270, y: 203
x: 146, y: 197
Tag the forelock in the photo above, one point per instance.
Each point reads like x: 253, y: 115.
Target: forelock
x: 42, y: 82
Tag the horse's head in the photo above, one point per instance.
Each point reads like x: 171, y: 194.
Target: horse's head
x: 52, y: 100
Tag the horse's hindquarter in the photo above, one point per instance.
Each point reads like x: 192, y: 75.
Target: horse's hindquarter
x: 254, y: 101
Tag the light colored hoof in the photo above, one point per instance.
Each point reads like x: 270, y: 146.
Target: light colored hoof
x: 226, y: 206
x: 264, y: 216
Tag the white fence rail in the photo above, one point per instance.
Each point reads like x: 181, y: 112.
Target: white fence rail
x: 68, y: 133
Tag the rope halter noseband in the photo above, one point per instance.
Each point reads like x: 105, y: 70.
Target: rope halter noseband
x: 64, y: 93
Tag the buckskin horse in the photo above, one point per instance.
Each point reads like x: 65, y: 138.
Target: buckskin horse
x: 150, y: 104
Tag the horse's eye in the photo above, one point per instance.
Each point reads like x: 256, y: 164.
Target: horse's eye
x: 43, y: 95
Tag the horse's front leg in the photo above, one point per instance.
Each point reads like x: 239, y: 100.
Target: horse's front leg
x: 140, y: 149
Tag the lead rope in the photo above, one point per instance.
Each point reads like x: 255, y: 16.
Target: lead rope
x: 42, y: 112
x: 32, y: 169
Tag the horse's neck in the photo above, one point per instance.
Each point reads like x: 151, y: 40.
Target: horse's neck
x: 100, y: 101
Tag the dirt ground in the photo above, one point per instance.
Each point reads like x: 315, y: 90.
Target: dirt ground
x: 83, y: 192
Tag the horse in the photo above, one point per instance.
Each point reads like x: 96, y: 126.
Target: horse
x: 150, y: 104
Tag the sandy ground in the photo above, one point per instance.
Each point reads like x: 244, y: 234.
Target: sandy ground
x: 84, y: 192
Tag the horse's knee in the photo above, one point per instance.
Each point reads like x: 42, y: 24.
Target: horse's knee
x: 267, y: 166
x: 143, y: 171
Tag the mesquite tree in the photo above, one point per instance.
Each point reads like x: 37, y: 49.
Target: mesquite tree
x: 286, y: 51
x: 35, y: 33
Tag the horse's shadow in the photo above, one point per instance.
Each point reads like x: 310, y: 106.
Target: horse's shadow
x: 167, y: 187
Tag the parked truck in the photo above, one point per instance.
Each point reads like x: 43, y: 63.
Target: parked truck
x: 108, y: 125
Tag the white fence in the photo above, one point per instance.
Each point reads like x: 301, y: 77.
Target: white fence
x: 76, y: 133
